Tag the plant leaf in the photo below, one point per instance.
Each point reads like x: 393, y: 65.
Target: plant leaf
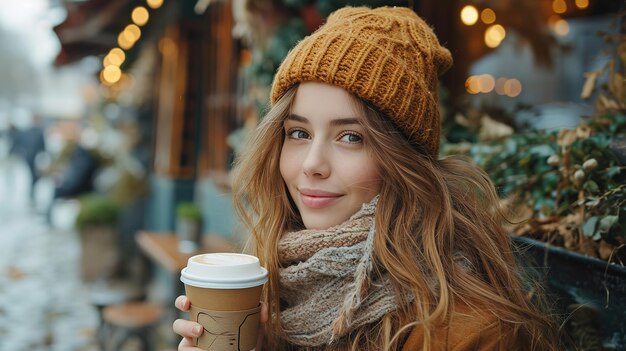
x: 613, y: 171
x: 589, y: 227
x: 605, y: 224
x: 590, y: 84
x: 591, y: 186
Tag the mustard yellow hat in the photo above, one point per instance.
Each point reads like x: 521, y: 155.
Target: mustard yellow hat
x: 387, y: 56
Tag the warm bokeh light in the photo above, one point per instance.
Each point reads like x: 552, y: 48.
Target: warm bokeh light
x: 512, y: 87
x: 111, y: 74
x: 559, y: 6
x: 486, y: 83
x: 471, y: 85
x: 494, y: 35
x: 582, y: 4
x: 154, y: 4
x: 561, y: 27
x: 132, y: 33
x: 123, y: 42
x: 140, y: 15
x: 500, y: 85
x: 116, y: 57
x: 469, y: 15
x: 487, y: 16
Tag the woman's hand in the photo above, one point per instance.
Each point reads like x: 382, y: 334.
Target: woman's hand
x: 189, y: 330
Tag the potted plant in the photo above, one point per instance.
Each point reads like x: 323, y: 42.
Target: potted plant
x: 97, y: 224
x: 188, y: 226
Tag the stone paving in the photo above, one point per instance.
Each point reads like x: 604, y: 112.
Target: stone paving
x: 43, y: 304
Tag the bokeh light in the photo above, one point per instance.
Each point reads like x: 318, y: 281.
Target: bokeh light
x: 154, y: 4
x: 561, y: 27
x: 116, y: 56
x: 582, y: 4
x: 140, y: 15
x: 512, y: 87
x: 469, y: 15
x: 488, y: 16
x: 132, y: 32
x: 494, y: 35
x: 559, y: 6
x: 111, y: 74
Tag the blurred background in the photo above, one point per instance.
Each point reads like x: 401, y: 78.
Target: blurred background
x: 120, y: 119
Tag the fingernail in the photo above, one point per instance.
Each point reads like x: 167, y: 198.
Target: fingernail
x: 197, y: 330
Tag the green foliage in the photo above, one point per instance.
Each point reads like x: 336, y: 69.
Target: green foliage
x: 188, y: 210
x: 566, y: 172
x: 96, y: 210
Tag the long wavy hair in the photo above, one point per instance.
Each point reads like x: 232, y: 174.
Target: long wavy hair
x: 439, y: 234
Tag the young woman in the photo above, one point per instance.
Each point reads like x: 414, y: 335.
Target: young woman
x: 372, y: 242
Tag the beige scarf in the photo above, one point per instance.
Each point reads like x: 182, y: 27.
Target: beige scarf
x: 326, y: 281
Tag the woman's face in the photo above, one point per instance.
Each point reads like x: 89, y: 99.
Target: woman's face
x: 324, y: 160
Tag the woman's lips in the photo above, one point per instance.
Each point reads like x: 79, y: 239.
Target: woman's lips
x: 317, y: 198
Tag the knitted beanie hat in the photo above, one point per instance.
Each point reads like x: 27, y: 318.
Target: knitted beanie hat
x: 387, y: 56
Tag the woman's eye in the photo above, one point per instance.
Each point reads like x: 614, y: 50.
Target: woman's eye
x: 351, y: 138
x: 298, y: 134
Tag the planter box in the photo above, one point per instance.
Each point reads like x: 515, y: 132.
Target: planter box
x: 100, y: 253
x: 189, y: 233
x: 579, y: 279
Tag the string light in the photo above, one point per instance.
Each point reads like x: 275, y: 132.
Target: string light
x: 471, y: 85
x: 132, y: 32
x: 469, y: 15
x: 140, y: 15
x: 116, y: 56
x: 486, y: 83
x: 512, y: 87
x: 559, y: 6
x: 582, y: 4
x: 494, y: 35
x: 111, y: 74
x: 500, y: 86
x: 561, y: 27
x: 154, y: 4
x: 123, y: 42
x: 488, y: 16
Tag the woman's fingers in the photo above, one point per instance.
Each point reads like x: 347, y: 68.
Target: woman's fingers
x: 187, y: 329
x: 187, y: 345
x: 182, y: 303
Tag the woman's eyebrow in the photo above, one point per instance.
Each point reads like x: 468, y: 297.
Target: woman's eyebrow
x: 334, y: 122
x: 297, y: 118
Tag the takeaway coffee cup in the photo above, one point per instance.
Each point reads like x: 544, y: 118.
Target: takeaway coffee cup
x: 225, y: 290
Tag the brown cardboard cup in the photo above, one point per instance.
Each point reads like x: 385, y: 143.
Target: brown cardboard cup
x: 225, y: 290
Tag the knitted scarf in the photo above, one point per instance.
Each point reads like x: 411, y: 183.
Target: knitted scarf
x: 326, y: 282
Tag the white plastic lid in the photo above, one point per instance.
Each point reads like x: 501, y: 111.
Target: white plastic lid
x: 223, y: 271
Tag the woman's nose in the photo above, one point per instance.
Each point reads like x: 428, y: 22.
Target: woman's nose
x: 316, y: 162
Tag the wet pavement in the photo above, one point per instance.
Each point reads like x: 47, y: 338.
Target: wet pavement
x: 43, y: 303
